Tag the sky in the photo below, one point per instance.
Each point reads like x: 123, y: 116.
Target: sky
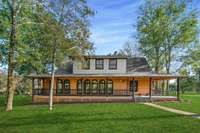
x: 115, y: 23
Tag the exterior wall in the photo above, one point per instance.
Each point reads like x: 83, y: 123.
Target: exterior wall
x: 118, y: 84
x: 143, y: 86
x: 121, y: 67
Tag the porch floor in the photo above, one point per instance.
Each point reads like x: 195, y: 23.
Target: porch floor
x: 97, y: 99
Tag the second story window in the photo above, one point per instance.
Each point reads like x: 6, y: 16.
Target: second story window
x: 113, y: 64
x: 99, y: 64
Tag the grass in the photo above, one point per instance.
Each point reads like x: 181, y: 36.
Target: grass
x: 98, y: 118
x: 18, y: 100
x: 190, y: 102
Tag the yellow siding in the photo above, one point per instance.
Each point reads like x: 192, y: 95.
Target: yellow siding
x: 118, y: 84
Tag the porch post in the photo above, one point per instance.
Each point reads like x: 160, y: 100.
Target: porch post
x: 133, y: 89
x: 150, y: 80
x: 178, y: 89
x: 82, y: 87
x: 33, y: 88
x: 106, y: 86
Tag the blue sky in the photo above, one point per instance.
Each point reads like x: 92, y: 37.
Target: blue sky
x: 115, y: 23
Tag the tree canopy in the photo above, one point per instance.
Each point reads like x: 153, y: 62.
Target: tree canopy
x: 163, y: 28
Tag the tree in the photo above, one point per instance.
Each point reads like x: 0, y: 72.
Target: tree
x: 66, y: 31
x: 187, y: 84
x: 192, y: 59
x: 12, y: 12
x: 40, y: 35
x: 150, y: 26
x: 129, y: 49
x: 163, y: 27
x: 182, y: 29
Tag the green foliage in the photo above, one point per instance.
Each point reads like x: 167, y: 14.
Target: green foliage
x: 163, y: 27
x: 24, y: 86
x: 40, y: 26
x: 192, y: 63
x: 35, y: 34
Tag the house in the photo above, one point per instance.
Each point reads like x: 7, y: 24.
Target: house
x: 101, y: 79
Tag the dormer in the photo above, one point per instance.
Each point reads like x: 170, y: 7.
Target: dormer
x: 100, y: 65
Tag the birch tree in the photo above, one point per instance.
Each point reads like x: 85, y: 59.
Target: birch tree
x: 66, y: 25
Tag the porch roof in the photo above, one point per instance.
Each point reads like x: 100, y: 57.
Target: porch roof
x: 155, y: 76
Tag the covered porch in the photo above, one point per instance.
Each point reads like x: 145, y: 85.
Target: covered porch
x: 79, y: 89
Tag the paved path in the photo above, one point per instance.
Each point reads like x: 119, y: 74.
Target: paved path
x: 174, y: 110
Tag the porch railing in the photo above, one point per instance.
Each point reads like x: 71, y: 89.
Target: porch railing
x: 164, y: 93
x: 45, y: 92
x: 114, y: 92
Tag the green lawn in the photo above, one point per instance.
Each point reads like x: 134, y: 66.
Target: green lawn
x: 93, y: 118
x: 189, y: 103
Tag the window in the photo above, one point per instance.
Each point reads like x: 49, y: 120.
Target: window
x: 99, y: 63
x: 94, y: 86
x: 86, y: 64
x: 66, y: 87
x: 38, y: 83
x: 59, y: 87
x: 87, y: 86
x: 112, y: 63
x: 109, y: 86
x: 134, y: 83
x: 102, y: 86
x: 79, y: 86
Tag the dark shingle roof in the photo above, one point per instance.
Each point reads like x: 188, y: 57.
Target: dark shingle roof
x: 137, y: 64
x: 67, y: 69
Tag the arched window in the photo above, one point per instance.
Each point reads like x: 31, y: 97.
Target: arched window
x: 94, y: 86
x: 66, y: 87
x: 109, y: 86
x: 87, y: 86
x: 102, y: 86
x: 59, y: 87
x: 79, y: 86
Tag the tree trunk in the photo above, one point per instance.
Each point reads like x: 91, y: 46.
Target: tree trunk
x: 10, y: 85
x: 52, y: 80
x: 168, y: 65
x: 157, y: 61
